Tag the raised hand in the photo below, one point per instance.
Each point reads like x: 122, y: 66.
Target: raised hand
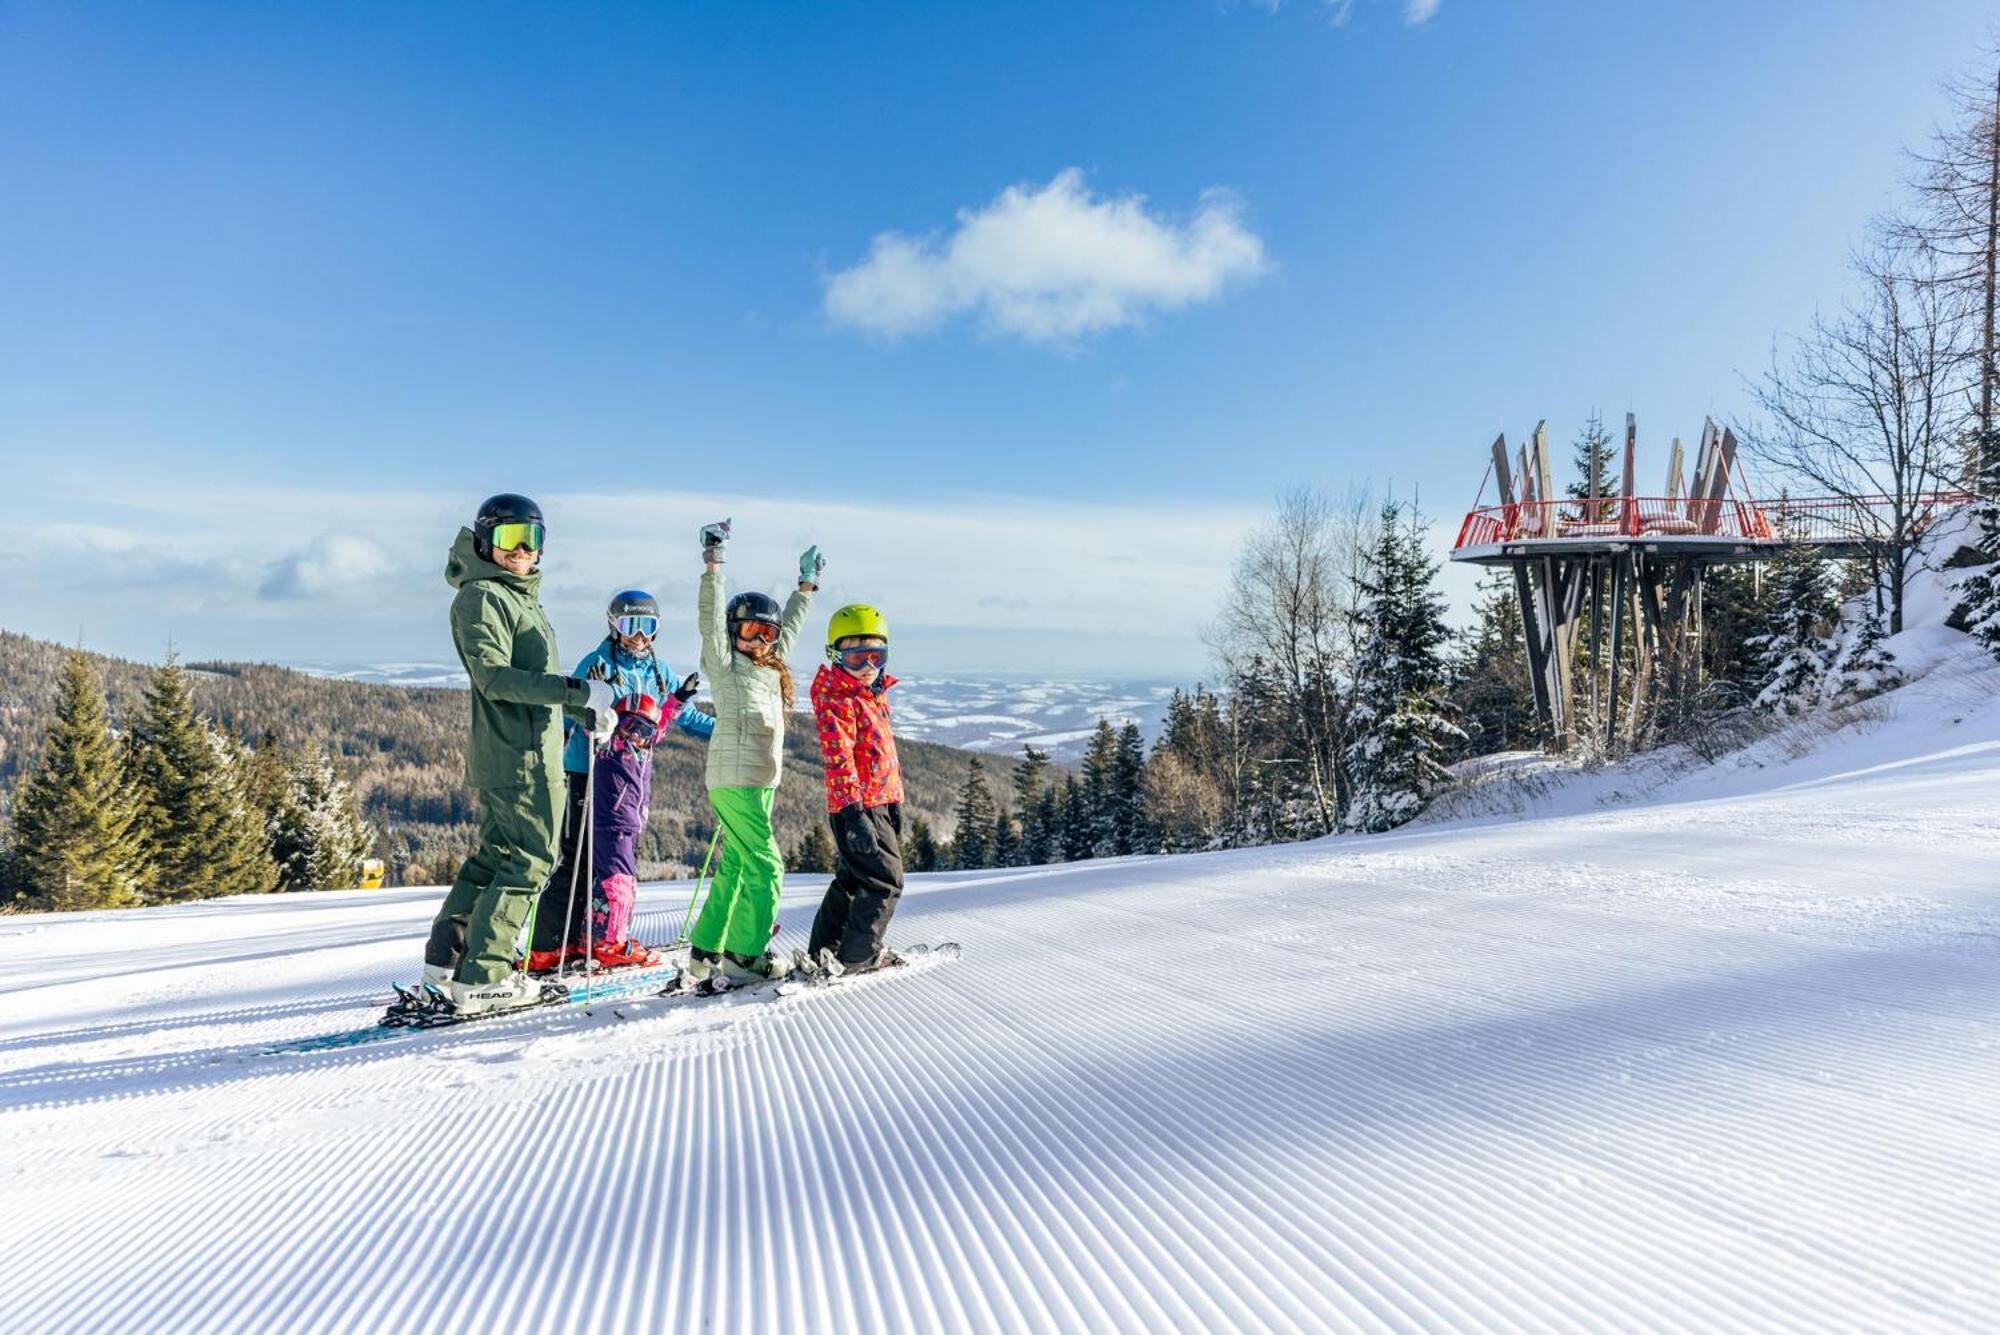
x: 810, y: 564
x: 713, y: 538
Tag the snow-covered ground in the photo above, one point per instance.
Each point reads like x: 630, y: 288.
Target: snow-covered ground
x: 1721, y: 1053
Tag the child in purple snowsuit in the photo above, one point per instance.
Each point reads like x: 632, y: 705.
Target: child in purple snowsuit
x: 622, y: 796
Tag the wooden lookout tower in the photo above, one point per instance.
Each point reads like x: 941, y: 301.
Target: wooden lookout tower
x: 1614, y: 562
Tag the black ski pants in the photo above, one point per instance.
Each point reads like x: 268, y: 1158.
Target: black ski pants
x: 551, y: 928
x: 854, y: 916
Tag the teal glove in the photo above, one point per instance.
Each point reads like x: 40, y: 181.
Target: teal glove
x: 810, y: 564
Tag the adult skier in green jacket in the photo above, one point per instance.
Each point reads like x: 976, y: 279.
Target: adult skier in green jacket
x: 743, y: 655
x: 514, y: 759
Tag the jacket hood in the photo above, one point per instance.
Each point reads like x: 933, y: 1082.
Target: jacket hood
x: 464, y: 564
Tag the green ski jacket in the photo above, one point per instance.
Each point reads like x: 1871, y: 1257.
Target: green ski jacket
x: 509, y: 650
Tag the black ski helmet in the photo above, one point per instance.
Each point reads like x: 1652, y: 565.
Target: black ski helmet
x: 753, y: 607
x: 506, y: 508
x: 632, y: 603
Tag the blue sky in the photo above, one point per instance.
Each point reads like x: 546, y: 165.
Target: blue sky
x: 289, y: 288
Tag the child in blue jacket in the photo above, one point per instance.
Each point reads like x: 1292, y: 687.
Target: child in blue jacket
x: 626, y: 660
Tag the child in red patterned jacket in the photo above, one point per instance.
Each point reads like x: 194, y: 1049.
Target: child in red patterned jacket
x: 864, y: 792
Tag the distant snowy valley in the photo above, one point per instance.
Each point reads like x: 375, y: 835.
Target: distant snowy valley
x: 997, y: 714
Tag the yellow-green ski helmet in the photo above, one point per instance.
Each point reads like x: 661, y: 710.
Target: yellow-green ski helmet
x: 856, y: 619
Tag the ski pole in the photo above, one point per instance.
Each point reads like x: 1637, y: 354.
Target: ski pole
x: 589, y: 863
x: 687, y: 919
x: 575, y: 865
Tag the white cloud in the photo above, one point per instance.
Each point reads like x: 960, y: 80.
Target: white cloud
x: 1053, y: 264
x: 1416, y: 13
x: 82, y: 539
x: 333, y: 565
x: 995, y: 582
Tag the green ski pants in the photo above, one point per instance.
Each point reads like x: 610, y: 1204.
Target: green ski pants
x: 743, y: 898
x: 480, y: 922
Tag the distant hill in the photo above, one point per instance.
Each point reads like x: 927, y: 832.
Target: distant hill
x: 995, y: 714
x: 402, y: 747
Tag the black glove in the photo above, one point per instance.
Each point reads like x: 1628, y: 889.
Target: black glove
x: 855, y: 835
x: 689, y: 685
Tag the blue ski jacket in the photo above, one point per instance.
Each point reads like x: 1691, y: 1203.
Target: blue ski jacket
x: 629, y: 676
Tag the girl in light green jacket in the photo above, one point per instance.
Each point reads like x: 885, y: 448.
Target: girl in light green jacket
x: 744, y: 651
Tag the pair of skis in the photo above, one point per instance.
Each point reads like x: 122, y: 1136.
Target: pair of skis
x: 419, y: 1007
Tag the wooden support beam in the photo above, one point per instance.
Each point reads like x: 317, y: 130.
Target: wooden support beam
x: 1704, y: 464
x: 1549, y: 605
x: 1647, y: 622
x: 1571, y: 572
x: 1673, y: 628
x: 1545, y: 486
x: 1596, y: 638
x: 1628, y: 519
x: 1718, y: 482
x: 1501, y: 472
x: 1531, y: 636
x: 1592, y: 514
x: 1618, y: 563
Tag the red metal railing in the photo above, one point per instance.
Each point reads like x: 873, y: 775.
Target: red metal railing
x: 1787, y: 519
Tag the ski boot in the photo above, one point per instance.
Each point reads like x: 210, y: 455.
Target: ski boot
x: 750, y: 970
x: 625, y: 954
x: 702, y: 973
x: 510, y: 993
x: 410, y: 1002
x: 817, y: 968
x: 884, y: 958
x: 552, y: 961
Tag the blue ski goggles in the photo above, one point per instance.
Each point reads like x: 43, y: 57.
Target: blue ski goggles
x: 864, y: 656
x: 643, y: 626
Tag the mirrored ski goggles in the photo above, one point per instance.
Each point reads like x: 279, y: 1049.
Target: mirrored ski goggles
x: 643, y: 626
x: 513, y: 537
x: 864, y: 656
x: 763, y: 632
x: 637, y: 730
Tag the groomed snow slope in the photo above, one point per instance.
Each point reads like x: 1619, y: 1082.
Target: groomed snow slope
x: 1726, y: 1059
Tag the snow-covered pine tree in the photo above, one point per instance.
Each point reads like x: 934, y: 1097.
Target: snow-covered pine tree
x: 1188, y: 780
x: 1978, y: 609
x: 972, y: 843
x: 1100, y: 763
x: 814, y: 852
x: 1048, y: 827
x: 317, y: 836
x: 1031, y: 785
x: 1006, y: 838
x: 1593, y: 443
x: 204, y: 836
x: 1128, y: 792
x: 1402, y: 735
x: 266, y: 778
x: 1793, y: 652
x: 76, y: 839
x: 1079, y: 834
x: 1862, y: 664
x: 1491, y: 688
x: 1735, y: 612
x: 922, y: 853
